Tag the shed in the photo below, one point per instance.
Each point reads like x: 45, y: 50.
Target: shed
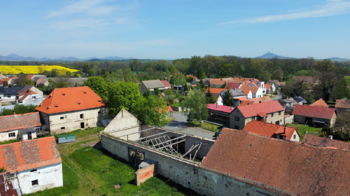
x: 65, y: 138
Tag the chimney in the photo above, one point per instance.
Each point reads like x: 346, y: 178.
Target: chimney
x: 217, y: 105
x: 231, y: 108
x: 330, y: 137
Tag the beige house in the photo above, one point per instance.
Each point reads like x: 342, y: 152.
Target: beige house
x: 69, y: 109
x: 270, y: 112
x: 151, y: 85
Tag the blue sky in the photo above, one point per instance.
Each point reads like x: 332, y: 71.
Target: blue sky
x: 175, y: 29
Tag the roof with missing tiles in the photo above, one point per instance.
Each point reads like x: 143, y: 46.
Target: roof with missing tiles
x: 29, y: 154
x: 19, y: 121
x: 325, y: 142
x: 342, y: 103
x: 70, y: 99
x: 289, y: 168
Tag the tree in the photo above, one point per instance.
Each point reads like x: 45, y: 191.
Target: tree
x: 223, y: 86
x: 196, y: 105
x: 227, y: 98
x: 157, y: 91
x: 2, y: 169
x: 201, y: 74
x: 277, y: 75
x: 151, y: 110
x: 325, y: 65
x: 123, y: 95
x: 344, y: 123
x: 147, y: 93
x: 210, y: 97
x: 171, y: 68
x: 61, y: 82
x: 342, y: 89
x: 92, y: 72
x: 99, y: 86
x: 177, y: 78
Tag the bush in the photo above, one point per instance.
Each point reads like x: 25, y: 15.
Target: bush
x: 18, y: 109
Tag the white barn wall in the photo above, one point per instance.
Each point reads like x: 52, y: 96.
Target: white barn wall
x: 4, y: 136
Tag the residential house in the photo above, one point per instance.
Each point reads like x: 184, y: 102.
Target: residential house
x: 233, y: 85
x: 151, y: 85
x: 7, y: 81
x: 277, y: 83
x: 237, y: 94
x: 276, y: 167
x: 217, y: 93
x: 28, y: 88
x: 300, y: 100
x: 342, y: 106
x: 43, y: 81
x: 309, y: 79
x: 179, y: 87
x: 29, y: 77
x: 315, y: 116
x: 271, y: 112
x: 19, y: 126
x: 32, y: 98
x: 252, y: 92
x: 270, y: 88
x: 320, y: 103
x: 6, y: 186
x: 325, y: 142
x: 219, y: 113
x: 69, y: 109
x: 36, y: 77
x: 256, y: 100
x: 273, y: 130
x: 32, y: 165
x: 2, y: 76
x: 288, y: 104
x: 1, y: 83
x: 167, y: 85
x: 9, y: 93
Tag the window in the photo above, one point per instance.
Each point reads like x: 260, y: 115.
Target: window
x: 63, y: 128
x: 33, y: 97
x: 271, y: 114
x: 236, y: 118
x: 81, y: 116
x: 12, y: 134
x: 35, y: 182
x: 279, y: 113
x: 62, y: 117
x: 294, y: 137
x: 253, y: 118
x: 33, y: 170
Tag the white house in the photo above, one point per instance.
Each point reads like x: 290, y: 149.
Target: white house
x: 31, y: 97
x: 236, y: 94
x: 33, y: 165
x: 9, y: 94
x: 255, y: 92
x: 19, y: 126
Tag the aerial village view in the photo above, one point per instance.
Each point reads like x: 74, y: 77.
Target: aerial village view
x: 185, y: 98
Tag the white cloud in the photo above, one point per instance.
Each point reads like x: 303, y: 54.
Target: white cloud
x: 331, y: 8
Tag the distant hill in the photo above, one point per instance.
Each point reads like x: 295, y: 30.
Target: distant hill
x: 337, y: 59
x: 15, y: 57
x: 270, y: 55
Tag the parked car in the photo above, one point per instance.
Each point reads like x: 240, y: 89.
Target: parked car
x: 216, y: 134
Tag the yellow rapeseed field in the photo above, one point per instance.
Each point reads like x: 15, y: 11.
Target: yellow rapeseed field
x: 33, y: 69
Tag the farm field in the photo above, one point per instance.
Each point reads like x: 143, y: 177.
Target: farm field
x: 33, y: 69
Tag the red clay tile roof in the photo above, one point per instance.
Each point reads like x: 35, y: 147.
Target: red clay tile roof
x: 27, y: 94
x: 220, y: 108
x: 310, y: 111
x: 29, y: 77
x: 39, y: 81
x: 260, y: 99
x: 170, y: 109
x: 247, y: 83
x: 266, y: 107
x: 19, y: 121
x: 269, y: 129
x: 70, y: 99
x: 232, y: 85
x: 246, y: 103
x: 267, y: 86
x: 325, y: 142
x: 217, y: 82
x: 246, y: 89
x: 216, y: 90
x: 166, y: 83
x: 285, y: 167
x: 320, y: 103
x: 0, y: 81
x: 24, y: 90
x: 241, y: 98
x: 342, y: 103
x: 6, y: 79
x: 29, y: 154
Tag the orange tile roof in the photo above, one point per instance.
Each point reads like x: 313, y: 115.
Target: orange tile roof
x: 241, y: 98
x: 39, y: 81
x: 246, y: 103
x: 267, y: 85
x: 266, y: 107
x: 320, y: 103
x: 70, y: 99
x: 19, y: 121
x: 29, y: 77
x: 29, y: 154
x: 269, y: 130
x: 247, y: 83
x: 27, y: 94
x: 6, y: 79
x: 246, y: 89
x: 216, y: 90
x: 260, y: 99
x: 325, y: 142
x: 217, y: 82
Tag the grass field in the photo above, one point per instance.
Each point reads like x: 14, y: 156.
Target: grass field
x: 208, y: 126
x: 90, y: 170
x: 302, y: 128
x: 33, y: 69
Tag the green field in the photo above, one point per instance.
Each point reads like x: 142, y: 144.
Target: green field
x: 310, y: 130
x: 208, y: 126
x: 90, y: 170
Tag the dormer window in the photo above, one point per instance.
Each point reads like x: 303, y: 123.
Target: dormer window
x: 79, y: 103
x: 56, y: 106
x: 84, y: 92
x: 63, y: 94
x: 99, y: 100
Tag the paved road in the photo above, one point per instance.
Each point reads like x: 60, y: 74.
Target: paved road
x: 180, y: 124
x: 278, y: 96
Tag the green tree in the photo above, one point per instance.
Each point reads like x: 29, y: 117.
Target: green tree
x: 342, y: 89
x: 210, y: 97
x: 92, y: 72
x: 227, y: 98
x: 223, y: 86
x: 99, y: 86
x: 123, y: 95
x: 196, y: 105
x: 147, y: 93
x: 151, y: 110
x: 277, y: 75
x: 2, y: 169
x: 177, y: 78
x: 157, y: 91
x: 201, y: 74
x: 325, y: 65
x: 171, y: 68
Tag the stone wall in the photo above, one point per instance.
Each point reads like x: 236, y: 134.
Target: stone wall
x: 185, y: 172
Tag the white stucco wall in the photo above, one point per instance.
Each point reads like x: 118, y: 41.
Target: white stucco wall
x: 219, y: 101
x: 297, y: 138
x: 250, y: 95
x: 4, y: 136
x: 25, y: 136
x: 48, y: 177
x: 33, y: 98
x: 124, y: 123
x: 259, y: 93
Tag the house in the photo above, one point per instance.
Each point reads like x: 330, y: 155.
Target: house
x: 314, y: 116
x: 43, y: 81
x: 256, y: 100
x: 29, y: 77
x: 270, y: 88
x: 342, y: 106
x: 69, y: 109
x: 237, y: 94
x: 309, y: 79
x: 320, y: 103
x: 32, y: 165
x: 288, y: 104
x: 179, y: 87
x: 300, y: 100
x: 151, y: 85
x: 19, y: 126
x: 32, y: 98
x: 71, y: 81
x: 219, y: 113
x: 273, y: 130
x: 271, y: 112
x: 1, y: 83
x: 7, y: 81
x: 167, y: 85
x: 252, y: 92
x: 277, y: 167
x: 216, y: 91
x: 325, y: 142
x: 9, y: 93
x: 6, y: 186
x: 233, y: 85
x: 36, y: 77
x: 2, y: 76
x: 28, y: 88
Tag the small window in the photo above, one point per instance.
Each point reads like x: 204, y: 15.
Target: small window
x: 253, y: 118
x: 84, y: 92
x: 81, y: 116
x: 236, y: 118
x: 63, y: 94
x: 271, y: 114
x: 56, y: 106
x: 33, y: 170
x: 34, y: 97
x: 63, y: 128
x: 12, y: 134
x: 35, y: 182
x: 279, y: 113
x: 61, y: 117
x: 79, y: 103
x: 294, y: 137
x: 99, y: 112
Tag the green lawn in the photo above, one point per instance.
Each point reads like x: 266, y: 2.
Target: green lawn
x: 302, y: 128
x: 94, y: 171
x: 8, y: 142
x: 208, y: 126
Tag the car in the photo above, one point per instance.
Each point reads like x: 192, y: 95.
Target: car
x: 216, y: 134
